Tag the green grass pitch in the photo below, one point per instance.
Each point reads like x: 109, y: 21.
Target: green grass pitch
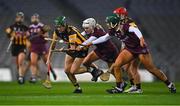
x: 93, y: 94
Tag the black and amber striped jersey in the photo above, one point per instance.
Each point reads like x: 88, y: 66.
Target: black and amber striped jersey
x: 71, y: 35
x: 18, y: 32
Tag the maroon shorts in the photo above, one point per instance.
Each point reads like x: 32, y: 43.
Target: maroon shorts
x: 39, y: 48
x: 138, y: 50
x: 107, y: 55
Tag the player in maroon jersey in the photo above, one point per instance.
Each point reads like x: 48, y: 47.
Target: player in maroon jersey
x: 135, y: 47
x: 106, y: 51
x: 38, y: 44
x: 132, y: 67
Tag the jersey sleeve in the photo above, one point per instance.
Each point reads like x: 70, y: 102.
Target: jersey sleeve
x: 9, y: 30
x: 101, y: 39
x: 128, y: 25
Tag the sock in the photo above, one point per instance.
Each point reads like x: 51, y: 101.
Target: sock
x: 77, y: 86
x: 131, y: 81
x: 91, y: 69
x: 118, y: 84
x: 167, y: 82
x: 138, y: 86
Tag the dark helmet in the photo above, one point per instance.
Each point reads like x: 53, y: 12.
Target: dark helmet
x: 60, y: 21
x: 35, y: 15
x: 112, y: 20
x: 20, y: 14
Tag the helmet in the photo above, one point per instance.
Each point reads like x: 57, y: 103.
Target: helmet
x: 112, y: 20
x: 35, y: 15
x: 20, y: 14
x: 19, y: 17
x: 35, y: 18
x: 121, y: 10
x: 89, y: 22
x: 60, y: 21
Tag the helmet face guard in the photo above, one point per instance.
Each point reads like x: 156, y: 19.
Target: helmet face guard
x: 112, y: 21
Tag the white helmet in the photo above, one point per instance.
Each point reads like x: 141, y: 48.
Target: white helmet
x: 89, y: 22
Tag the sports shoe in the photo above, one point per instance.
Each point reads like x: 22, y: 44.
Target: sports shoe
x: 114, y: 90
x: 117, y: 89
x: 33, y: 80
x: 47, y: 84
x: 135, y: 91
x: 130, y: 88
x: 172, y: 87
x: 21, y: 80
x: 77, y: 90
x: 96, y: 73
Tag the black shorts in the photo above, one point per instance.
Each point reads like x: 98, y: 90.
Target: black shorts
x: 78, y: 54
x: 17, y: 49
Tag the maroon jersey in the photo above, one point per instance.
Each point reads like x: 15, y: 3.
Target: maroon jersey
x: 38, y: 44
x: 35, y: 33
x: 130, y: 39
x: 106, y: 51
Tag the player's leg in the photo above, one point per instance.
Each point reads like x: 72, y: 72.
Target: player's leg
x: 21, y: 58
x: 126, y: 67
x: 146, y: 60
x: 34, y: 62
x: 74, y: 67
x: 124, y: 57
x: 117, y: 74
x: 68, y: 63
x: 88, y: 63
x: 133, y: 70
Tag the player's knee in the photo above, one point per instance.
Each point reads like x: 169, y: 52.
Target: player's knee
x: 33, y: 63
x: 72, y: 72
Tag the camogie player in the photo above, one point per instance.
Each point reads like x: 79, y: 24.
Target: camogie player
x: 17, y: 34
x: 135, y: 47
x: 73, y: 58
x: 106, y: 51
x: 132, y: 67
x: 38, y: 46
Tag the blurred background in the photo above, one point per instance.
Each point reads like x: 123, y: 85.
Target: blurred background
x: 157, y: 19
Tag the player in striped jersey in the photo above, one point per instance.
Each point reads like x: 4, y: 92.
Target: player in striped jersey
x: 73, y: 58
